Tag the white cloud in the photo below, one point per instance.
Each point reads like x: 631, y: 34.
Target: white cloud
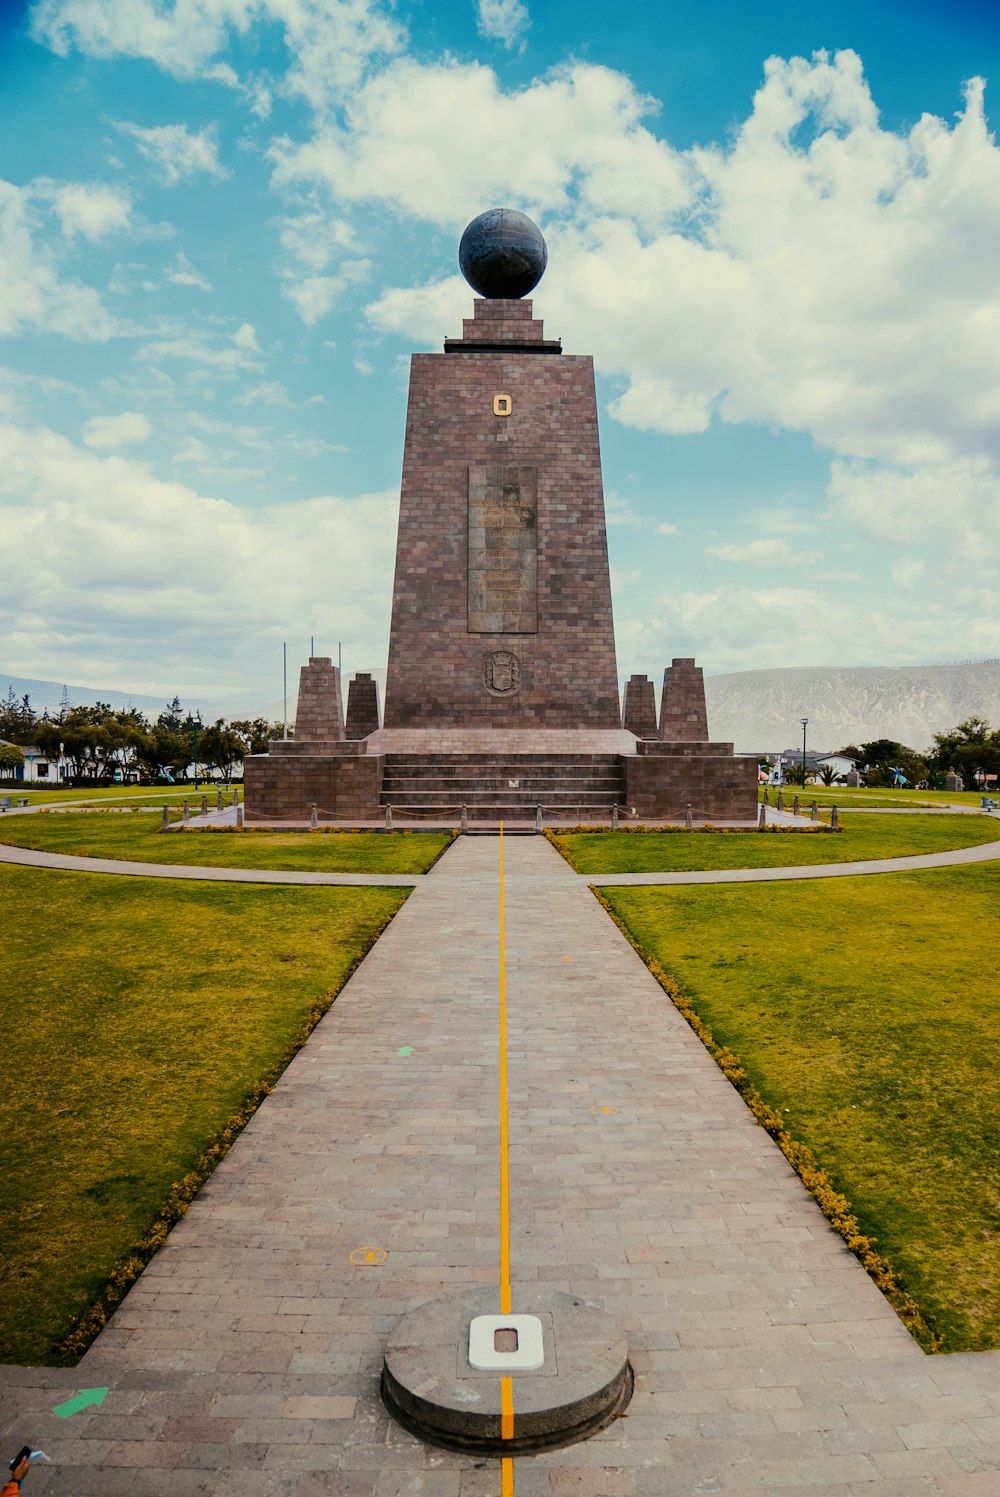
x: 905, y: 573
x: 183, y: 273
x: 433, y: 139
x: 503, y: 20
x: 329, y: 44
x: 92, y: 210
x: 245, y: 337
x: 97, y: 538
x: 618, y: 511
x: 763, y: 553
x: 665, y: 528
x: 198, y: 349
x: 314, y: 295
x: 176, y: 151
x: 956, y: 505
x: 271, y: 392
x: 116, y: 431
x: 33, y: 294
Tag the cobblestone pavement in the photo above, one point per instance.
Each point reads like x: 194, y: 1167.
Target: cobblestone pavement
x: 246, y: 1358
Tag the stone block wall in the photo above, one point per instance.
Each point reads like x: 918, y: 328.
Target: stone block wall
x: 319, y: 715
x: 363, y: 716
x: 683, y: 714
x: 284, y: 786
x: 706, y: 776
x: 639, y: 707
x: 503, y: 409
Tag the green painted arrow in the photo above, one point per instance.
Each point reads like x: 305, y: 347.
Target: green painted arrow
x: 81, y: 1400
x: 405, y: 1050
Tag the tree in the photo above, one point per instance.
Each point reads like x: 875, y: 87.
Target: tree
x: 96, y: 740
x: 220, y: 748
x: 256, y: 733
x: 17, y: 718
x: 170, y: 741
x: 970, y: 749
x: 829, y: 776
x: 11, y: 759
x: 884, y: 760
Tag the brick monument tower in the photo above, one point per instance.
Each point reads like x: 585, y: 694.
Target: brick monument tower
x: 502, y: 686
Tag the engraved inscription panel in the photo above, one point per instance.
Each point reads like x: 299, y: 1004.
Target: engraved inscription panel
x: 503, y: 548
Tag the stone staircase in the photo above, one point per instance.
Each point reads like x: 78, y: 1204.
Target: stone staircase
x: 496, y: 787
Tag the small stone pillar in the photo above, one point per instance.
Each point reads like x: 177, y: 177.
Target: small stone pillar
x: 683, y: 715
x: 639, y: 707
x: 185, y: 811
x: 204, y: 805
x: 813, y: 812
x: 388, y: 818
x: 689, y: 820
x: 538, y: 818
x: 762, y: 820
x: 465, y: 818
x: 239, y: 816
x: 781, y: 799
x: 314, y: 817
x: 319, y: 715
x: 614, y: 818
x: 767, y: 798
x: 218, y: 800
x: 165, y: 820
x: 834, y: 823
x: 363, y: 715
x: 236, y: 795
x: 795, y: 806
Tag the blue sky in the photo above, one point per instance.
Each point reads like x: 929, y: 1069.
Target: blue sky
x: 225, y: 224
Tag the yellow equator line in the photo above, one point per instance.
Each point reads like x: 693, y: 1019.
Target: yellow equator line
x: 506, y: 1383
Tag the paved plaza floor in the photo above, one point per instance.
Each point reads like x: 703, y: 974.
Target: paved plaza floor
x: 246, y: 1358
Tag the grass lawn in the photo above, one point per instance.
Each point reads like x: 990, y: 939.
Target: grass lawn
x: 136, y: 836
x: 866, y: 1011
x: 109, y: 795
x: 860, y: 837
x: 840, y: 795
x: 140, y: 1017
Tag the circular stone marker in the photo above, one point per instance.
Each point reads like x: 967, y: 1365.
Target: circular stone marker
x: 432, y: 1389
x: 502, y: 254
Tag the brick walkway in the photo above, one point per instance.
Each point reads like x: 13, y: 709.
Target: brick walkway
x: 245, y: 1360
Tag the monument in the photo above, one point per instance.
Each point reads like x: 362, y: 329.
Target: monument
x: 502, y: 683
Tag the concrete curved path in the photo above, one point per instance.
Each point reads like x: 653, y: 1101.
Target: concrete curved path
x: 985, y: 853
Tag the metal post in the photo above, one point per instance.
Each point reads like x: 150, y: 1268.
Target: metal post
x: 284, y: 684
x: 196, y: 756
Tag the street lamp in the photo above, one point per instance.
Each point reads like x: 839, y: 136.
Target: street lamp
x: 804, y: 721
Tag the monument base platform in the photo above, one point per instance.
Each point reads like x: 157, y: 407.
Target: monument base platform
x: 492, y: 775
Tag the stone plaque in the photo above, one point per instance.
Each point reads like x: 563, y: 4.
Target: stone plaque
x: 503, y: 548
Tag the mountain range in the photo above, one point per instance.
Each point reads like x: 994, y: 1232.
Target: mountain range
x: 759, y: 711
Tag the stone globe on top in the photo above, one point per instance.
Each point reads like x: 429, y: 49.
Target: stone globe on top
x: 502, y: 254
